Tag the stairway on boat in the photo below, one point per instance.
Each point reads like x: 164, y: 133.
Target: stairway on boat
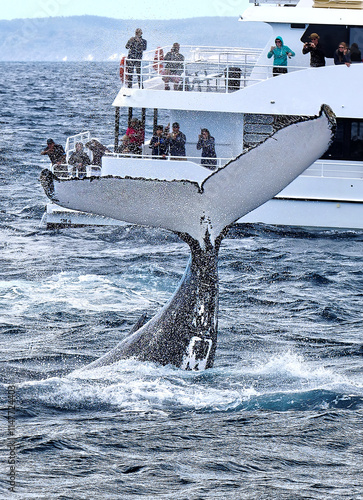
x: 257, y: 127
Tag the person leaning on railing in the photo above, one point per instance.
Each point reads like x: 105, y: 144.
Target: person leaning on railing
x: 55, y: 152
x: 342, y: 55
x: 136, y: 46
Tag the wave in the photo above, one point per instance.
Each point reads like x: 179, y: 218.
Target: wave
x: 284, y: 383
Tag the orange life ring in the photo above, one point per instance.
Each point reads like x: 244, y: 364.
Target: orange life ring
x: 122, y: 69
x: 159, y: 56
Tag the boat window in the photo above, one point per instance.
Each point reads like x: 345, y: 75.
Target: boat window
x: 356, y: 36
x: 330, y: 36
x: 336, y: 148
x: 297, y: 26
x: 348, y: 141
x: 356, y: 140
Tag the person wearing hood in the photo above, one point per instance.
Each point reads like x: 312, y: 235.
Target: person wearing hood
x: 280, y: 52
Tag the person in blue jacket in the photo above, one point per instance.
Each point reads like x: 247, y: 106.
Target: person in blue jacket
x: 280, y: 52
x: 158, y: 144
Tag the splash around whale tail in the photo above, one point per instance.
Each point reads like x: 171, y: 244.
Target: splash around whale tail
x: 200, y: 211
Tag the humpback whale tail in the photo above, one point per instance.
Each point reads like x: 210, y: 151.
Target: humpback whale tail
x: 200, y: 211
x: 184, y: 332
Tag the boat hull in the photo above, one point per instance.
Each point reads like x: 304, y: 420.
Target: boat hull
x: 308, y: 214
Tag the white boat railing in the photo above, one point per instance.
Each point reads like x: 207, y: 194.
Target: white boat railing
x: 66, y: 171
x: 321, y: 168
x: 205, y: 69
x: 82, y: 137
x: 336, y: 169
x: 220, y: 161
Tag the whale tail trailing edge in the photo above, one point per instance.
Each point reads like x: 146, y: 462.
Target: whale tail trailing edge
x: 207, y: 205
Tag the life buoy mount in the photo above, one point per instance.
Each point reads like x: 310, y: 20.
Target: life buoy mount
x: 158, y: 58
x: 122, y: 69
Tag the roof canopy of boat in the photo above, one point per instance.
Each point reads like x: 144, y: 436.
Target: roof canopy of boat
x: 348, y: 13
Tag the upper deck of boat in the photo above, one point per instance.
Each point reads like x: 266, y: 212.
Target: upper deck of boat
x: 242, y: 77
x: 205, y: 69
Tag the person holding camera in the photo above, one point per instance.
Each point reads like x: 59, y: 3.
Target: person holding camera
x: 280, y: 52
x: 317, y: 55
x: 207, y: 144
x: 158, y: 144
x: 56, y: 153
x: 175, y: 141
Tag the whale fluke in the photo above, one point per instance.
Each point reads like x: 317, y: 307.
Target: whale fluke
x: 200, y: 211
x: 184, y: 332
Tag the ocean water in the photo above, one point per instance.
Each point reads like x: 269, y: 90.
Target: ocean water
x: 280, y: 416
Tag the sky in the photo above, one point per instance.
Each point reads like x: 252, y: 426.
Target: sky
x: 121, y: 9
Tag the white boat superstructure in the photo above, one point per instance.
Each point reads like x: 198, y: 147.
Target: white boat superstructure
x: 232, y: 92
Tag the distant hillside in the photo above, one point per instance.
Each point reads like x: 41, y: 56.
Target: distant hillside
x: 79, y: 38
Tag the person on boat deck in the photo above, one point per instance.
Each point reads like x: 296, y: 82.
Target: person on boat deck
x: 158, y: 144
x: 342, y: 55
x: 136, y: 46
x: 317, y: 54
x: 176, y: 143
x: 79, y: 159
x: 207, y: 144
x: 355, y: 53
x: 280, y: 52
x: 56, y: 153
x: 98, y: 150
x: 134, y: 137
x: 174, y: 66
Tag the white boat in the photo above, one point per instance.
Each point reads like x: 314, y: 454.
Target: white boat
x: 232, y: 92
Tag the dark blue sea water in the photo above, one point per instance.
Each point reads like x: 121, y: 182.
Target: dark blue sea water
x: 280, y: 416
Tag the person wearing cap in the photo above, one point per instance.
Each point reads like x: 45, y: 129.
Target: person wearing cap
x: 174, y: 66
x: 136, y: 46
x: 317, y: 55
x: 56, y: 153
x: 176, y: 143
x: 280, y: 52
